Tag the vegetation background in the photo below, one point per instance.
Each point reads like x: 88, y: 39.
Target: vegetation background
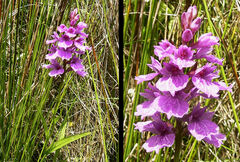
x: 38, y: 113
x: 146, y: 23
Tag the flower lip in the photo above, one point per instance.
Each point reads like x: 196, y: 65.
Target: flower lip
x: 71, y: 32
x: 62, y: 28
x: 164, y: 49
x: 65, y: 41
x: 170, y: 69
x: 184, y: 52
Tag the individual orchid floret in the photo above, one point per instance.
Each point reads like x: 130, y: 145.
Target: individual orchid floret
x: 53, y: 54
x: 62, y: 28
x: 56, y: 68
x: 187, y: 35
x: 206, y: 41
x: 163, y: 102
x: 80, y: 27
x: 79, y: 43
x: 164, y: 135
x: 176, y: 105
x: 71, y: 32
x: 200, y: 124
x: 65, y: 42
x: 147, y: 108
x: 77, y: 66
x: 165, y: 49
x: 55, y: 38
x: 173, y: 79
x: 155, y: 66
x: 64, y: 54
x: 183, y: 57
x: 215, y: 139
x: 202, y: 80
x: 205, y: 53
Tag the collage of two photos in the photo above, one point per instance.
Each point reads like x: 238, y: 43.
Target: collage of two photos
x: 108, y: 80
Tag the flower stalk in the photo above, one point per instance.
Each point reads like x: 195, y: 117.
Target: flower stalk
x: 178, y: 140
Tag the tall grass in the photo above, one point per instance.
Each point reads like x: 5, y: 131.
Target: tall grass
x: 40, y: 115
x: 147, y: 23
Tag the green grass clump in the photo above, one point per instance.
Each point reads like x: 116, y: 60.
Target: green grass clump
x: 148, y: 22
x: 57, y: 119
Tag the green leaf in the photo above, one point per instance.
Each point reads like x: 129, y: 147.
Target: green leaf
x: 59, y: 144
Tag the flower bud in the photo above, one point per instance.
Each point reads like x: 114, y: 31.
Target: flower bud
x: 184, y: 20
x: 195, y: 25
x: 73, y: 14
x: 193, y: 12
x: 187, y: 35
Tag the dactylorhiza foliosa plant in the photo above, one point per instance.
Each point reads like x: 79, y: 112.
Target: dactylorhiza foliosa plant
x: 180, y: 81
x: 67, y: 46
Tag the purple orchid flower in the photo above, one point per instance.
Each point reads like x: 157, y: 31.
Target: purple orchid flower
x: 180, y: 80
x: 65, y: 46
x: 146, y: 108
x: 187, y: 35
x: 164, y: 134
x: 155, y: 66
x: 55, y: 38
x: 70, y: 32
x: 80, y: 27
x: 64, y: 53
x: 205, y: 53
x: 77, y: 66
x: 165, y: 49
x: 173, y: 79
x: 195, y: 25
x: 183, y: 57
x: 202, y: 80
x: 79, y: 43
x: 206, y: 41
x: 162, y: 102
x: 56, y: 68
x: 53, y: 54
x: 65, y: 42
x: 200, y: 124
x: 62, y: 28
x: 176, y: 106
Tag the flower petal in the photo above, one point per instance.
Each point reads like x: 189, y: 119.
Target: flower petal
x: 155, y: 143
x: 172, y: 105
x: 147, y: 77
x: 172, y: 83
x: 202, y: 128
x: 215, y: 139
x: 205, y: 86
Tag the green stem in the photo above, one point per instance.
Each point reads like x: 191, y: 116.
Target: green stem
x: 178, y: 140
